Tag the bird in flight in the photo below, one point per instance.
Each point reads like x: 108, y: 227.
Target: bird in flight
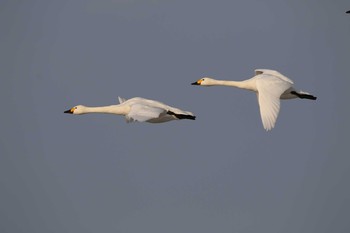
x: 137, y: 109
x: 270, y: 86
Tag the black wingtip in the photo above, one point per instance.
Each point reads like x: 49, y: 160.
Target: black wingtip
x: 189, y: 117
x: 303, y: 96
x: 182, y: 116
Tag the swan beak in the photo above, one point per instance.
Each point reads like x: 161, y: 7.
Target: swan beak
x: 197, y: 82
x: 70, y: 111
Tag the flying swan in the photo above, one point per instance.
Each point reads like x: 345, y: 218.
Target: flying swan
x: 270, y: 86
x: 137, y: 109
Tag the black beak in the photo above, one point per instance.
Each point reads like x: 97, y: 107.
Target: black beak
x: 195, y: 83
x: 348, y: 12
x: 68, y: 111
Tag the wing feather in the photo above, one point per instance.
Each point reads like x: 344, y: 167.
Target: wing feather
x: 142, y: 113
x: 270, y: 89
x: 274, y: 73
x: 121, y: 100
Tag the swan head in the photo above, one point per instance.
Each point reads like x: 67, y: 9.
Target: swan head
x: 76, y: 110
x: 206, y: 81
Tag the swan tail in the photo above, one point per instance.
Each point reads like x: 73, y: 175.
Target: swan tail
x: 304, y: 95
x: 181, y: 116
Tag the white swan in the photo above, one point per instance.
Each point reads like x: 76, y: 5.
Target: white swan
x: 137, y: 109
x: 270, y: 86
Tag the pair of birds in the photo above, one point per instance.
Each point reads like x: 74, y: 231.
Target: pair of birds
x: 269, y: 85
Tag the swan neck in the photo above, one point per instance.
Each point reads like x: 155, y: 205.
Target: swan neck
x: 111, y: 109
x: 239, y: 84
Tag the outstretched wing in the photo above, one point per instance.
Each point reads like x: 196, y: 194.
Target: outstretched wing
x: 270, y: 89
x: 142, y: 113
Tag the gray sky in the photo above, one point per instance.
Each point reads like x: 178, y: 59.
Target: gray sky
x: 220, y: 173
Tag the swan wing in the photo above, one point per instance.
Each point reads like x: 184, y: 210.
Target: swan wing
x: 142, y: 113
x: 121, y: 100
x: 270, y: 89
x: 273, y: 73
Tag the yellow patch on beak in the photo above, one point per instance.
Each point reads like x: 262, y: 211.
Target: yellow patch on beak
x: 199, y: 81
x: 72, y: 110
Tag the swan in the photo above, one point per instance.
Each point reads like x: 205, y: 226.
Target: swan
x: 137, y: 109
x: 270, y: 86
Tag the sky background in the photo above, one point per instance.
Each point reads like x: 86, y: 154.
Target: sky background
x: 220, y: 173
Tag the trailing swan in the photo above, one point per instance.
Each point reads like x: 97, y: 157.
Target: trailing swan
x: 137, y: 109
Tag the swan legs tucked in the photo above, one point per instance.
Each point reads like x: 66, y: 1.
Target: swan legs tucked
x: 303, y: 96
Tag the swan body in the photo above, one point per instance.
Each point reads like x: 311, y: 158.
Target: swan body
x: 137, y: 109
x: 270, y: 86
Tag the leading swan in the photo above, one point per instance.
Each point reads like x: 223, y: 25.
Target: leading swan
x: 137, y: 109
x: 270, y: 86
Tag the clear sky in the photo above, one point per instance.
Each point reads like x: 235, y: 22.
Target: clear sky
x: 220, y: 173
